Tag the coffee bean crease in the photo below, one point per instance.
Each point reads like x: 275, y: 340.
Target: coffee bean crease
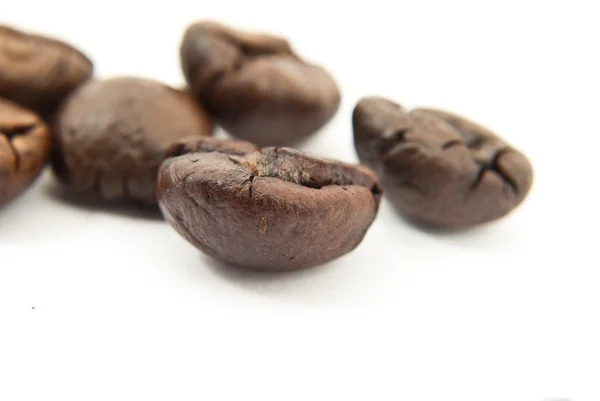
x: 443, y: 170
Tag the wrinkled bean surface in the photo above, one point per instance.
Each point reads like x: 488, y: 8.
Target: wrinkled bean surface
x: 268, y: 209
x: 438, y: 168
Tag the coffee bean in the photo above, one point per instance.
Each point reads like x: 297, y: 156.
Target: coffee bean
x: 38, y: 72
x: 270, y: 209
x: 255, y: 86
x: 111, y: 136
x: 440, y: 169
x: 24, y: 149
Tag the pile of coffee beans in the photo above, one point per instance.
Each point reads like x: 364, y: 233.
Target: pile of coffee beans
x: 254, y: 202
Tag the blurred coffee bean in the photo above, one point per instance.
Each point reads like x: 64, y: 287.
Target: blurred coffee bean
x: 255, y: 86
x: 38, y: 72
x: 24, y: 149
x: 111, y: 136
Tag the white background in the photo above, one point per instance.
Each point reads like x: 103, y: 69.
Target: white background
x: 101, y: 305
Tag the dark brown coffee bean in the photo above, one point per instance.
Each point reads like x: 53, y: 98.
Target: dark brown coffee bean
x: 255, y: 86
x: 440, y: 169
x: 273, y: 209
x: 24, y: 149
x: 112, y: 135
x: 38, y: 72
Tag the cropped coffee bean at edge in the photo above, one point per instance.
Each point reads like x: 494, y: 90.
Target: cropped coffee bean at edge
x: 24, y: 149
x: 38, y: 72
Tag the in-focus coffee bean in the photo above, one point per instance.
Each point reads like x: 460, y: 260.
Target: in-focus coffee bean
x: 440, y: 169
x: 111, y: 136
x: 24, y: 149
x: 270, y: 209
x: 254, y: 84
x: 38, y: 72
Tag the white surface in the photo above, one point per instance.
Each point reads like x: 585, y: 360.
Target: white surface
x: 127, y: 310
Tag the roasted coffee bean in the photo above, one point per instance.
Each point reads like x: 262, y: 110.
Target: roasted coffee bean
x: 440, y: 169
x: 255, y: 86
x: 111, y: 136
x: 271, y: 209
x: 24, y: 149
x: 38, y: 72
